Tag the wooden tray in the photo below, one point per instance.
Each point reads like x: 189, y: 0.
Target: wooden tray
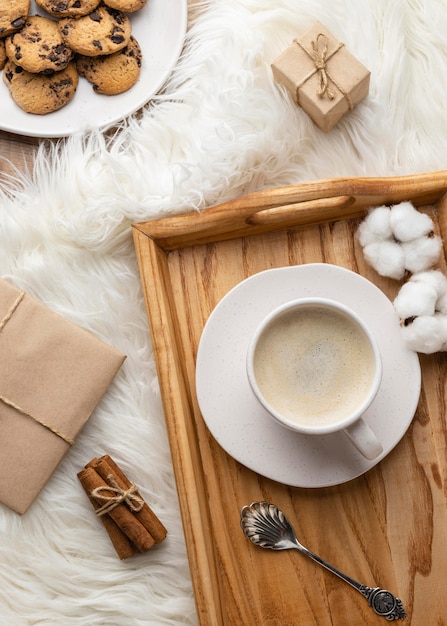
x: 387, y: 528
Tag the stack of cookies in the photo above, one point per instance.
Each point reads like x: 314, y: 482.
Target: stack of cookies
x: 43, y: 57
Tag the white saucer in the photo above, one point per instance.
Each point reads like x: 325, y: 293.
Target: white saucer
x: 247, y: 432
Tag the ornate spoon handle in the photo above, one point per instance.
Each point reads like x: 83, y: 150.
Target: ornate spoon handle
x: 382, y: 601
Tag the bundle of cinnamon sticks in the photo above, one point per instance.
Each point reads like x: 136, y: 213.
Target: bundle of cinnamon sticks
x: 130, y: 523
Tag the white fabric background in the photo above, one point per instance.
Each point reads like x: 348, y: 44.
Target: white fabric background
x: 220, y: 130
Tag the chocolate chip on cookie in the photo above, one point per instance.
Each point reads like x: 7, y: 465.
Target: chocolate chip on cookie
x: 115, y: 73
x: 13, y: 14
x: 40, y: 93
x: 103, y: 31
x: 39, y: 46
x: 68, y: 8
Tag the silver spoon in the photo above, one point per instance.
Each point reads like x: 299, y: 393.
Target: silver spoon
x: 266, y: 526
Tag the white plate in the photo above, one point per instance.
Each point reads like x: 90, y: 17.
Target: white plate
x: 242, y: 427
x: 159, y: 28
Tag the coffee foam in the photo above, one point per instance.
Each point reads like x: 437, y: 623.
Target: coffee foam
x: 314, y: 365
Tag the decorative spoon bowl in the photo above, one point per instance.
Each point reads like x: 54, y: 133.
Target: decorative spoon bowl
x: 266, y: 526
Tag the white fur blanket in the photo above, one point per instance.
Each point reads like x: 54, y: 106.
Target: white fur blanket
x: 220, y: 129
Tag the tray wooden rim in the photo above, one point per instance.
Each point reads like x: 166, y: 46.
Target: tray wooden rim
x: 310, y: 202
x: 270, y: 210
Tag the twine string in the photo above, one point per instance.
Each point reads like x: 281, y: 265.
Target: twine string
x: 12, y: 308
x: 320, y: 57
x: 119, y: 496
x: 12, y: 404
x: 54, y: 430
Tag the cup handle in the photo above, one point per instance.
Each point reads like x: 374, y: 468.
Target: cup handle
x: 364, y: 439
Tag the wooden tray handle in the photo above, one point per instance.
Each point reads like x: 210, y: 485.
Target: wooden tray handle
x: 328, y: 208
x: 294, y: 205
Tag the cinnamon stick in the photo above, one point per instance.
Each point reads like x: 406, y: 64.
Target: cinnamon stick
x: 106, y: 466
x: 122, y: 544
x: 123, y: 517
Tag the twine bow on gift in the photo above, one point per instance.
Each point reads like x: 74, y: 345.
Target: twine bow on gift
x: 319, y: 55
x: 128, y: 496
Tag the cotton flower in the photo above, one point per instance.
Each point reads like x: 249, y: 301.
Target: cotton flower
x: 438, y: 281
x: 422, y: 253
x: 415, y: 299
x: 376, y: 227
x: 427, y: 334
x: 421, y: 305
x: 387, y: 257
x: 398, y: 239
x: 407, y: 223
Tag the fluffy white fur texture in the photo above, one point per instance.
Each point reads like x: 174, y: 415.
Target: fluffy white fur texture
x: 220, y: 129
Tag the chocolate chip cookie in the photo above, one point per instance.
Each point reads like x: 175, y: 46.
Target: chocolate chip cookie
x: 3, y: 56
x: 39, y: 46
x: 115, y: 73
x: 40, y: 93
x: 128, y: 6
x: 103, y: 31
x: 13, y: 14
x: 68, y: 8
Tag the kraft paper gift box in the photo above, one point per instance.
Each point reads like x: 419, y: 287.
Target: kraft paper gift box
x: 53, y: 373
x: 322, y: 76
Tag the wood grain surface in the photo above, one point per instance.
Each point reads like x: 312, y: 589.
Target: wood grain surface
x: 386, y: 528
x: 16, y: 154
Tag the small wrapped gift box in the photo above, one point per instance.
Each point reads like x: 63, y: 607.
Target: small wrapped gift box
x: 52, y: 375
x: 324, y: 78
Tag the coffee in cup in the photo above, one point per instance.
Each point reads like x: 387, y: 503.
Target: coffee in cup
x: 315, y: 367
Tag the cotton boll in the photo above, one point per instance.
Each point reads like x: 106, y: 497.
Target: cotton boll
x: 426, y: 334
x: 435, y: 278
x: 441, y: 304
x: 395, y: 239
x: 386, y: 257
x: 422, y: 253
x: 443, y: 331
x: 415, y: 299
x: 424, y: 298
x: 407, y: 223
x: 438, y: 281
x: 365, y: 235
x: 375, y: 226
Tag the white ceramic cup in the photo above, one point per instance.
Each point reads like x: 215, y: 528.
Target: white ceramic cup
x: 315, y: 367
